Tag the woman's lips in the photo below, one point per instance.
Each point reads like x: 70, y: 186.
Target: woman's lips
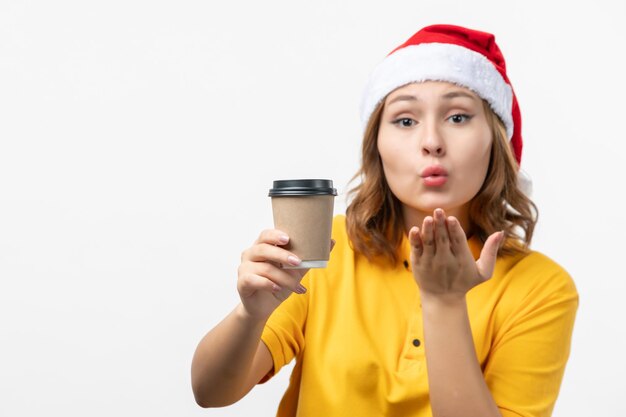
x: 434, y: 176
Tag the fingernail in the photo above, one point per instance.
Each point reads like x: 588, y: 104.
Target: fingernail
x: 282, y: 239
x: 276, y: 288
x: 293, y: 260
x: 300, y: 289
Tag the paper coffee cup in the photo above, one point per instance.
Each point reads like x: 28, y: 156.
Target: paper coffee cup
x: 304, y: 210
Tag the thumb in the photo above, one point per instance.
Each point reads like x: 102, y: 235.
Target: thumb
x: 487, y: 261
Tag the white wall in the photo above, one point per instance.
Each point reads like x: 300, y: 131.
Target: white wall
x: 138, y: 140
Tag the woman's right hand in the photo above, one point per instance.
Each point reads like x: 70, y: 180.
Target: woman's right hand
x: 261, y: 282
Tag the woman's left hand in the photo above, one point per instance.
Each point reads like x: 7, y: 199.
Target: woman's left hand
x: 442, y: 262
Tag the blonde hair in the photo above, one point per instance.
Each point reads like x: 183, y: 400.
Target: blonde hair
x: 374, y: 215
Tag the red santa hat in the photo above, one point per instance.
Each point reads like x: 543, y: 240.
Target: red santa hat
x: 455, y: 54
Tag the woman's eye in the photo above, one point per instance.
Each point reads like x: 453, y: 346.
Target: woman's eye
x: 404, y: 122
x: 459, y: 118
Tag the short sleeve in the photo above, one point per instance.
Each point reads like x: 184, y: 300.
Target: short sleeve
x: 527, y: 360
x: 284, y: 331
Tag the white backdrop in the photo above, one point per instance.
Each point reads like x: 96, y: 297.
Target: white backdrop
x: 139, y: 140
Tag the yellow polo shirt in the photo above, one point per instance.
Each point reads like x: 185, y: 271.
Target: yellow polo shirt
x: 357, y: 336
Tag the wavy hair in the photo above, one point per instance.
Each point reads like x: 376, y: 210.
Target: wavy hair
x: 374, y: 218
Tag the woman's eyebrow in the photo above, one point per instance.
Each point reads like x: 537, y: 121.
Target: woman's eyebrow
x: 447, y: 96
x: 405, y: 97
x: 455, y: 94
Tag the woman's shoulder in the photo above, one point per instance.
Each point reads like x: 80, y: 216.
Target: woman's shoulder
x: 339, y: 223
x: 340, y: 232
x: 537, y: 270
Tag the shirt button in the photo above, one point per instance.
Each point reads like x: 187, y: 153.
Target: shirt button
x: 416, y: 342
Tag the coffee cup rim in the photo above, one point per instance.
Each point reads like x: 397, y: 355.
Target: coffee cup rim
x: 302, y: 187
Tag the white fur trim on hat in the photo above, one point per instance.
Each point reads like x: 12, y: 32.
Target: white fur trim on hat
x: 524, y: 182
x: 439, y: 62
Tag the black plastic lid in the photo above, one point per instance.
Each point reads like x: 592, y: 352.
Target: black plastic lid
x: 283, y: 188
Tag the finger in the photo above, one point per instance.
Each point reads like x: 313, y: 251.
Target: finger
x: 273, y: 237
x: 487, y: 261
x: 458, y: 240
x: 417, y: 247
x: 296, y: 273
x: 442, y: 241
x: 265, y: 252
x: 251, y: 283
x: 256, y: 283
x: 428, y: 237
x: 281, y: 277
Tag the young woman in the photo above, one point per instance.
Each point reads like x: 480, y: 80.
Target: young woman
x: 432, y: 302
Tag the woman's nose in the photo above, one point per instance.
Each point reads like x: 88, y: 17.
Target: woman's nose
x: 432, y: 142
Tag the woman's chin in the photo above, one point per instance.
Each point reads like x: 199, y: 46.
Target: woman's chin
x: 429, y: 206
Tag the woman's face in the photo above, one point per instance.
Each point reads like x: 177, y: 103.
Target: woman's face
x: 435, y: 144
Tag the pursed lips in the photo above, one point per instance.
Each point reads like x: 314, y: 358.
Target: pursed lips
x: 434, y: 171
x: 434, y: 175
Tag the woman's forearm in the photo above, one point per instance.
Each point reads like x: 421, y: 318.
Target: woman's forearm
x: 223, y: 360
x: 457, y: 385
